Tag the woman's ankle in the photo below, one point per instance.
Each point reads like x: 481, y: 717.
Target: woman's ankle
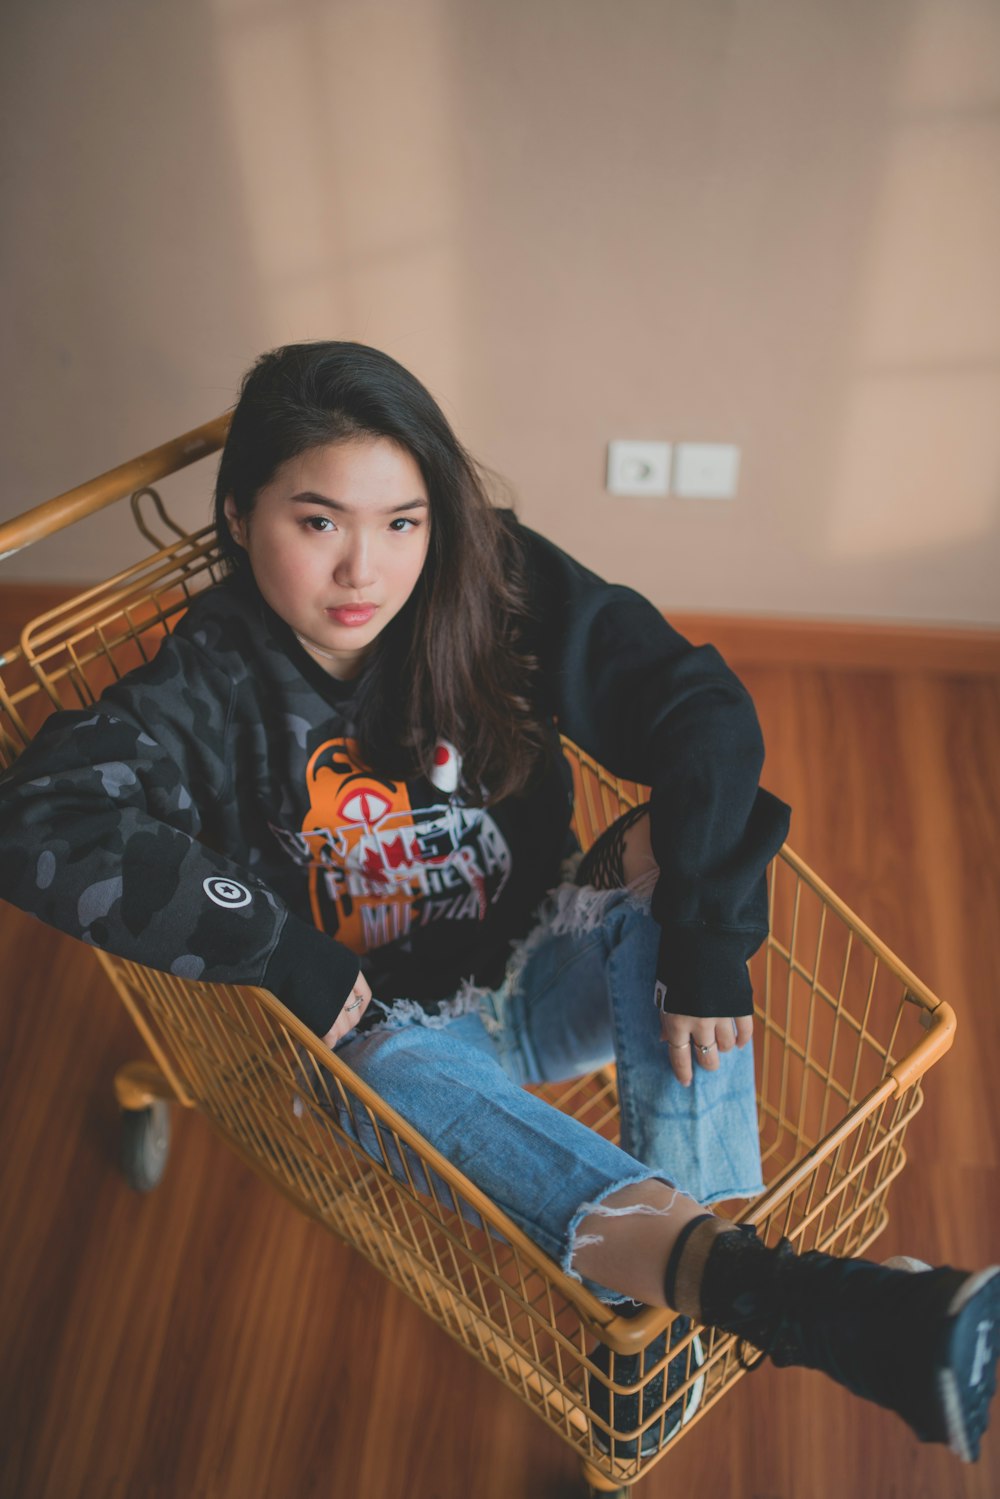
x: 685, y: 1273
x: 625, y: 1241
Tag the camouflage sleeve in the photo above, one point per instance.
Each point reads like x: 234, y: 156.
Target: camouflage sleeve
x: 99, y: 828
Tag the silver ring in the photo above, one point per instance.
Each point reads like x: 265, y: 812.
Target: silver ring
x: 706, y: 1049
x: 356, y: 1005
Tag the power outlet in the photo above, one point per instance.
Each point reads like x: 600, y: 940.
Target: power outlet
x: 638, y: 467
x: 706, y: 470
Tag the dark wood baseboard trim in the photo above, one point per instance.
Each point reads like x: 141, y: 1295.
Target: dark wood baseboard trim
x: 744, y: 640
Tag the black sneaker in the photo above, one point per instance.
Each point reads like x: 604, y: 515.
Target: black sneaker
x: 923, y: 1343
x: 626, y: 1371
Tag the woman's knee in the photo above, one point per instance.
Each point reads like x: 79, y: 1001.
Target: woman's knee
x: 622, y: 856
x: 639, y: 867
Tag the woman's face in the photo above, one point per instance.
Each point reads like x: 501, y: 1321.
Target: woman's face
x: 336, y: 542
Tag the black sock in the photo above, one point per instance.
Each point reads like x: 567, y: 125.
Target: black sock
x: 739, y: 1290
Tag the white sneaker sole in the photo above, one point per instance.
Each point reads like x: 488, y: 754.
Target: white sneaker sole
x: 966, y: 1419
x: 691, y: 1404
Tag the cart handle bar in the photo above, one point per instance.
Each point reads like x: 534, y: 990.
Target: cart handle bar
x: 940, y: 1024
x: 86, y: 499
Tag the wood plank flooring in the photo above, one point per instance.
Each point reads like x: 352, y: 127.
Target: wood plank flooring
x: 207, y: 1342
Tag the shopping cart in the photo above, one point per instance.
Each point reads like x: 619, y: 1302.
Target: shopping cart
x: 844, y: 1036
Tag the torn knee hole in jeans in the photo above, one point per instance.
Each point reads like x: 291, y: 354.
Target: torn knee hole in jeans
x: 574, y: 910
x: 568, y: 910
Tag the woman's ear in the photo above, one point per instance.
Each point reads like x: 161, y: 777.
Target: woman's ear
x: 236, y: 523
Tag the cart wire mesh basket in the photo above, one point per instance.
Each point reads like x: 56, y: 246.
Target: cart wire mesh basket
x: 844, y: 1034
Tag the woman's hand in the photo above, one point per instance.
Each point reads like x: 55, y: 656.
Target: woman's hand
x: 354, y: 1007
x: 698, y: 1038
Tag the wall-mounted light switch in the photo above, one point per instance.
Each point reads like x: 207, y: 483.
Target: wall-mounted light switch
x: 706, y: 470
x: 638, y: 467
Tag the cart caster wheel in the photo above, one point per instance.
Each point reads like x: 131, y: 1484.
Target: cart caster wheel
x: 145, y: 1145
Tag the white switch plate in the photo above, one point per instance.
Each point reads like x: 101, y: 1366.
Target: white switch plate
x: 638, y: 467
x: 706, y: 470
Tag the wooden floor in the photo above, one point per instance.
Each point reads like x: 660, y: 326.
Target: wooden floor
x: 208, y: 1341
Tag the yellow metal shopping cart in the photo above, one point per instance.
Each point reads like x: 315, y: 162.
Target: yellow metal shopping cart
x: 844, y: 1036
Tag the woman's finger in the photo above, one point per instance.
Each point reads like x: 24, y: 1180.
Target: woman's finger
x: 353, y: 1008
x: 676, y: 1032
x: 725, y: 1034
x: 704, y: 1046
x: 744, y: 1029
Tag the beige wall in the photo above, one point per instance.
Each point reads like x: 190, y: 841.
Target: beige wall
x: 776, y: 224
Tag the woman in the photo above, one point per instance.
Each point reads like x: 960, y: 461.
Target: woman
x: 341, y: 779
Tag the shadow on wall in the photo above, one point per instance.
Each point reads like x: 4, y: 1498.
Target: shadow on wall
x: 344, y: 126
x: 127, y: 221
x: 919, y: 458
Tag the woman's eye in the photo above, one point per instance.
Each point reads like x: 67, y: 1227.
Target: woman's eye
x: 319, y: 523
x: 402, y: 523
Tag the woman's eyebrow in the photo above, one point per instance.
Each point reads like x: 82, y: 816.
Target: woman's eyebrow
x: 308, y: 497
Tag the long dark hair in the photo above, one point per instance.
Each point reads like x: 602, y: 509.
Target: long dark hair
x: 450, y: 664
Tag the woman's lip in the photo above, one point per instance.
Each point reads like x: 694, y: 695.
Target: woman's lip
x: 352, y: 614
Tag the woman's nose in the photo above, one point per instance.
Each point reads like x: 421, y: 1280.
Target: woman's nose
x: 355, y: 565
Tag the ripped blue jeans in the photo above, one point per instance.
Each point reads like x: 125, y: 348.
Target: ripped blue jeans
x: 578, y: 994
